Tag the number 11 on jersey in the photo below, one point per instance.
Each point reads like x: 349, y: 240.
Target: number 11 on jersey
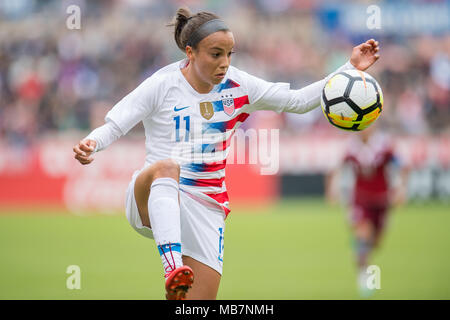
x: 187, y: 120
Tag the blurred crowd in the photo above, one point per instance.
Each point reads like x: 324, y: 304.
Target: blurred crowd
x: 53, y: 79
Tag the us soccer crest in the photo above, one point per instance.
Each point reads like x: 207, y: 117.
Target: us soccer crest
x: 206, y: 110
x: 228, y: 105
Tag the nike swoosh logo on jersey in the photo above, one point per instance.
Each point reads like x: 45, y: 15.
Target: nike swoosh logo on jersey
x: 179, y: 109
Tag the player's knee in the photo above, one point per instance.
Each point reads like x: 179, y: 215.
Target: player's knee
x: 167, y: 168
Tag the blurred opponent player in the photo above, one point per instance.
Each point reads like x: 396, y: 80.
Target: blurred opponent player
x: 190, y: 110
x: 371, y: 180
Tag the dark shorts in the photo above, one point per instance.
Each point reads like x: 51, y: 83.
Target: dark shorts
x: 376, y: 216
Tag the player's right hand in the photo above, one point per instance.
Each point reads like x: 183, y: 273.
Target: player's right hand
x: 83, y: 151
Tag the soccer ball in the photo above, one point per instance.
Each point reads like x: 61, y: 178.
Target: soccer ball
x: 352, y: 100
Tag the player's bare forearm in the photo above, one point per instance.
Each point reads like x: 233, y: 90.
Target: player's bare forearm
x: 331, y: 194
x: 400, y: 193
x: 403, y: 188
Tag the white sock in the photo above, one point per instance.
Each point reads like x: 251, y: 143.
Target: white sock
x: 164, y: 213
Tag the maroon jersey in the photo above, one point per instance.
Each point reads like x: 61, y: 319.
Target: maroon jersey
x: 369, y: 162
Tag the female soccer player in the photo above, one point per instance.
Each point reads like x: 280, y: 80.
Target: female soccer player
x: 375, y: 180
x: 190, y: 110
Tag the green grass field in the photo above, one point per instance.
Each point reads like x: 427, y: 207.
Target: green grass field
x: 298, y: 249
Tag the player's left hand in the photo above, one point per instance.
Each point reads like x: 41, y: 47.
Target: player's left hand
x: 364, y: 55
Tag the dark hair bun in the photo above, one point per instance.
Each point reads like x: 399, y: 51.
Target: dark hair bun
x: 181, y: 19
x: 185, y: 24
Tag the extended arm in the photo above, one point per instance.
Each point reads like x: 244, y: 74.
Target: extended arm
x: 308, y: 98
x: 398, y: 181
x: 97, y: 140
x: 280, y: 98
x: 133, y: 108
x: 105, y: 135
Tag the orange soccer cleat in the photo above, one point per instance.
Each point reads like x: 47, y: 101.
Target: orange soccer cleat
x: 178, y: 283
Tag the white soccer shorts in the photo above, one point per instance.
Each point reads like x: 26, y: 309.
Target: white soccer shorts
x: 202, y: 226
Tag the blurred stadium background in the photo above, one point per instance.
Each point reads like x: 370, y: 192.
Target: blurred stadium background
x: 56, y: 84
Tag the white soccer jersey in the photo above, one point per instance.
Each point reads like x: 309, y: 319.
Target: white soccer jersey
x: 196, y: 129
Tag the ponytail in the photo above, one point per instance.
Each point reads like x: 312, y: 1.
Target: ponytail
x: 185, y: 24
x: 182, y: 17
